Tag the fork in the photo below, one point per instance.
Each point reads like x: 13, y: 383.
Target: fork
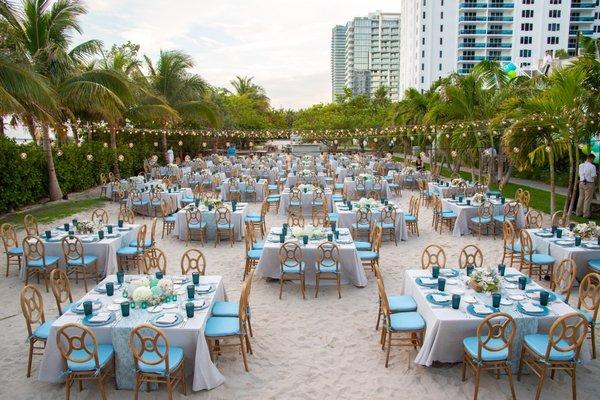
x: 185, y: 320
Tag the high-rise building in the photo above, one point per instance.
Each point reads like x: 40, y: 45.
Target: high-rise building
x: 443, y: 36
x: 372, y: 54
x: 338, y: 60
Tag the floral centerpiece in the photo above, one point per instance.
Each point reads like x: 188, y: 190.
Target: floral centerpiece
x: 172, y: 166
x: 215, y: 203
x: 587, y: 231
x: 457, y: 181
x: 408, y: 171
x: 137, y: 179
x: 309, y: 230
x: 305, y: 172
x: 307, y: 186
x: 485, y: 280
x: 366, y: 176
x: 479, y: 198
x: 88, y: 227
x: 367, y: 203
x: 150, y: 290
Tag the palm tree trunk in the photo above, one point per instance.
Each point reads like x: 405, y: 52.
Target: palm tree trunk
x: 31, y: 127
x: 75, y: 133
x: 2, y: 134
x: 500, y: 174
x: 164, y: 144
x: 113, y: 146
x: 570, y: 191
x: 54, y: 190
x: 552, y: 184
x: 573, y: 176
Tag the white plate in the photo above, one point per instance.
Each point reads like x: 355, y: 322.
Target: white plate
x: 457, y: 291
x: 510, y: 285
x: 451, y: 281
x: 168, y: 306
x: 470, y: 299
x: 516, y: 296
x: 113, y: 307
x: 505, y: 302
x: 120, y: 300
x: 154, y: 309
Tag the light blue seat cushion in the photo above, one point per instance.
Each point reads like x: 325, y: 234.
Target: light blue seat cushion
x: 407, y: 321
x: 147, y: 243
x: 337, y: 197
x: 127, y: 251
x: 105, y: 352
x: 540, y: 259
x: 225, y: 309
x: 200, y: 225
x: 339, y: 185
x: 402, y: 304
x: 175, y: 358
x: 448, y: 214
x: 16, y: 251
x: 333, y: 217
x: 362, y: 246
x: 170, y: 218
x: 273, y: 198
x: 516, y: 248
x: 502, y: 218
x: 387, y: 225
x: 480, y: 220
x: 295, y: 203
x: 224, y: 226
x: 43, y: 330
x: 254, y: 254
x: 258, y: 246
x: 86, y: 260
x: 589, y: 318
x: 539, y: 343
x: 410, y: 218
x: 39, y: 263
x: 327, y: 267
x: 139, y: 203
x: 361, y: 226
x: 253, y: 217
x: 293, y: 269
x: 273, y: 187
x: 368, y: 255
x: 222, y: 326
x: 595, y: 265
x: 470, y: 344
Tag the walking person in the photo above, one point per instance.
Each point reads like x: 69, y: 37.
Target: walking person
x: 587, y: 176
x: 547, y: 62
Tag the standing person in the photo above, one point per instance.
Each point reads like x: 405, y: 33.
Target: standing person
x: 587, y: 176
x: 170, y: 156
x: 419, y: 163
x: 547, y: 62
x: 231, y: 151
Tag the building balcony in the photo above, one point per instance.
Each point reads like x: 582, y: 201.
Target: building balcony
x: 501, y: 5
x: 472, y: 18
x: 470, y: 45
x: 481, y: 58
x: 464, y: 70
x: 583, y: 5
x: 585, y: 32
x: 472, y: 32
x: 499, y: 45
x: 581, y: 19
x: 472, y: 5
x: 499, y: 32
x: 499, y: 58
x: 492, y: 18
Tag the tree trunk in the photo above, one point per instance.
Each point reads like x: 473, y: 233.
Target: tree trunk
x: 31, y: 128
x: 164, y: 145
x: 54, y: 190
x: 575, y: 181
x: 570, y: 191
x: 113, y: 146
x: 2, y: 134
x: 500, y: 174
x: 75, y: 133
x: 89, y: 135
x: 552, y: 184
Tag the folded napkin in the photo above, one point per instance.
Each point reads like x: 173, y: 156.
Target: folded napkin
x: 529, y: 307
x: 481, y: 309
x: 440, y: 298
x: 178, y: 279
x: 534, y: 295
x: 446, y: 271
x: 469, y: 299
x: 428, y: 281
x: 100, y: 317
x: 166, y: 319
x: 199, y: 303
x: 203, y: 288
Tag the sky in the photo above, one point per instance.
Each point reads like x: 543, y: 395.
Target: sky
x: 284, y: 44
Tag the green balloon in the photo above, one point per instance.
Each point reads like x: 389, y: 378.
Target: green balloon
x: 512, y: 74
x: 585, y: 149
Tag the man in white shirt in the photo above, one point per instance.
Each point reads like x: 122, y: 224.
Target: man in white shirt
x: 170, y: 156
x: 587, y: 176
x: 547, y: 62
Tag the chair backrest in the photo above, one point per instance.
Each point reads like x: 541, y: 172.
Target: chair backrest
x: 526, y: 198
x: 295, y: 195
x: 496, y: 333
x: 9, y: 236
x: 485, y: 210
x: 416, y: 205
x: 363, y: 216
x: 100, y: 215
x: 526, y: 243
x: 433, y: 255
x: 31, y: 226
x: 589, y: 294
x: 32, y: 306
x: 388, y: 215
x: 61, y: 288
x: 141, y: 238
x: 155, y: 259
x: 193, y: 261
x: 165, y: 209
x: 508, y: 233
x: 470, y: 255
x: 566, y: 334
x: 78, y: 344
x: 290, y: 255
x: 560, y: 219
x: 153, y: 230
x: 127, y: 216
x: 222, y: 216
x: 193, y: 216
x: 534, y: 219
x: 295, y: 219
x: 72, y: 248
x: 385, y: 305
x: 563, y: 277
x: 320, y: 218
x: 33, y: 249
x: 511, y: 209
x: 149, y: 345
x: 328, y: 254
x: 519, y: 195
x: 377, y: 237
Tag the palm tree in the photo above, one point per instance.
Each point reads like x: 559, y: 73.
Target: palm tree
x: 245, y: 87
x: 173, y: 95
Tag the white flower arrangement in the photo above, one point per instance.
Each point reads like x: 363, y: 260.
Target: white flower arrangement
x: 366, y: 176
x: 367, y: 203
x: 141, y: 294
x: 457, y: 181
x: 308, y: 230
x: 151, y: 291
x: 307, y: 186
x: 485, y: 280
x: 587, y: 231
x: 213, y: 202
x: 137, y: 179
x: 305, y: 172
x: 171, y: 165
x: 88, y: 227
x: 479, y: 198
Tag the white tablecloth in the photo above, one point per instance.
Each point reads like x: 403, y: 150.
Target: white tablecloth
x: 171, y: 198
x: 350, y: 188
x: 105, y: 250
x: 581, y: 255
x: 352, y: 270
x: 259, y: 186
x: 190, y: 337
x: 346, y: 218
x: 237, y: 218
x: 305, y: 200
x: 465, y: 213
x: 446, y: 327
x: 291, y: 179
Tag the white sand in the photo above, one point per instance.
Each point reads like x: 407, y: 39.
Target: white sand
x: 316, y: 348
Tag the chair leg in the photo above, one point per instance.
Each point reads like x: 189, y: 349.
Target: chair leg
x: 574, y: 383
x: 280, y: 286
x: 387, y: 354
x: 477, y: 377
x: 243, y: 344
x: 593, y: 342
x: 30, y: 358
x: 508, y: 370
x: 538, y: 391
x: 338, y: 286
x: 317, y: 285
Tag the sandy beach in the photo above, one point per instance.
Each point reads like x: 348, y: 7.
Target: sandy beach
x: 314, y: 348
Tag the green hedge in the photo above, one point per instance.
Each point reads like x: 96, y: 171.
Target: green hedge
x: 24, y: 180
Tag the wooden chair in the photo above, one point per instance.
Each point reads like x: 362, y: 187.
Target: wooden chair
x: 483, y: 221
x: 511, y: 246
x: 490, y: 349
x: 128, y: 256
x: 154, y: 202
x: 127, y: 216
x: 250, y: 190
x: 370, y: 258
x: 77, y: 262
x: 36, y: 261
x: 525, y: 199
x: 155, y: 259
x: 83, y: 358
x: 589, y: 303
x: 38, y: 329
x: 295, y: 201
x: 362, y: 224
x: 563, y: 278
x: 225, y: 227
x: 433, y: 255
x: 14, y: 252
x: 412, y: 218
x: 409, y: 324
x: 441, y: 217
x: 509, y: 213
x: 139, y: 204
x: 396, y: 303
x: 168, y: 218
x: 560, y: 220
x: 100, y: 215
x: 328, y: 265
x: 470, y: 255
x: 196, y: 226
x: 103, y: 185
x: 291, y: 266
x: 556, y: 351
x: 259, y: 221
x: 156, y: 360
x: 61, y: 289
x: 193, y: 261
x: 388, y: 222
x: 295, y: 220
x: 534, y: 219
x: 320, y: 218
x: 31, y: 226
x: 519, y: 195
x: 534, y: 262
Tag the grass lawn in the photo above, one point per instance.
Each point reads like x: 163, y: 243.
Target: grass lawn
x: 52, y: 212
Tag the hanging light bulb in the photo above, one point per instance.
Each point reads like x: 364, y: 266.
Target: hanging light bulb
x: 180, y: 143
x: 105, y: 145
x: 121, y: 157
x: 23, y: 155
x: 130, y: 145
x: 89, y: 157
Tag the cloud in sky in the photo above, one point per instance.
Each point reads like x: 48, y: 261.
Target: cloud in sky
x: 284, y: 44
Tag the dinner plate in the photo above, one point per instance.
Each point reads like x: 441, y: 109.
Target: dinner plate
x: 430, y: 299
x: 544, y: 234
x: 77, y: 308
x: 205, y: 289
x: 457, y: 291
x: 516, y: 297
x: 469, y: 299
x: 543, y: 310
x: 178, y: 320
x: 506, y: 302
x: 168, y: 306
x: 86, y: 320
x: 113, y: 307
x: 591, y: 245
x: 535, y: 294
x: 154, y: 309
x: 490, y: 310
x: 101, y: 288
x: 120, y: 300
x: 428, y: 285
x: 565, y: 242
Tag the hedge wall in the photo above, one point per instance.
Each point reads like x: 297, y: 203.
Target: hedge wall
x: 24, y: 181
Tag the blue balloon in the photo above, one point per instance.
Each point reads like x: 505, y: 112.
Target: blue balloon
x: 510, y: 67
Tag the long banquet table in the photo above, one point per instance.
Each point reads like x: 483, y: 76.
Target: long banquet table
x: 446, y: 328
x: 350, y: 187
x: 347, y: 218
x: 189, y: 335
x: 237, y: 219
x: 305, y: 201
